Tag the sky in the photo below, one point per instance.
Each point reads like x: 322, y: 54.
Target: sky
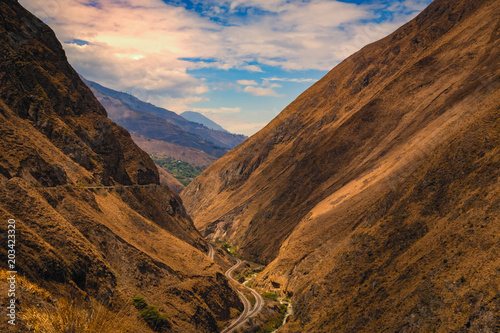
x: 238, y: 62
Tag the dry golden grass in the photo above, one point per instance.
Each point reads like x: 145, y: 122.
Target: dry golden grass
x: 27, y: 286
x: 70, y: 317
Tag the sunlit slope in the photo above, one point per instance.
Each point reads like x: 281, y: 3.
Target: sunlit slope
x: 374, y: 195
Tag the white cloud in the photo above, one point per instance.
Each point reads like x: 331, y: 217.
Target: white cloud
x: 227, y: 117
x: 221, y: 110
x: 298, y: 80
x: 252, y: 68
x: 259, y: 91
x: 138, y: 45
x: 177, y: 105
x: 297, y: 35
x: 271, y: 85
x: 266, y: 88
x: 246, y: 128
x: 247, y: 82
x: 132, y: 46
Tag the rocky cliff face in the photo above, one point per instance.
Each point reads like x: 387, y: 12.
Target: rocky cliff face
x: 374, y: 195
x: 92, y: 221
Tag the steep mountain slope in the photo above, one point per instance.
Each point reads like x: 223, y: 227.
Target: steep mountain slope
x: 201, y: 119
x: 122, y: 107
x: 374, y: 195
x: 77, y: 239
x: 167, y: 179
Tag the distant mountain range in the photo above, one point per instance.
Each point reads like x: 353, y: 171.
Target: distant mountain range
x: 165, y: 133
x: 157, y: 123
x: 201, y: 119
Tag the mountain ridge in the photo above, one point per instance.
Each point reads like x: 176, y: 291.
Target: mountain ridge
x: 349, y: 194
x: 94, y: 226
x: 201, y: 119
x: 222, y: 139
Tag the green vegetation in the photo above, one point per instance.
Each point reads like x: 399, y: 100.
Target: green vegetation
x: 139, y: 302
x: 226, y: 247
x: 271, y: 296
x: 275, y: 322
x: 157, y: 321
x: 249, y: 296
x: 182, y: 171
x: 247, y: 273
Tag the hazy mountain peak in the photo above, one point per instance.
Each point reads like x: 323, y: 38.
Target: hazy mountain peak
x: 201, y: 119
x: 211, y: 138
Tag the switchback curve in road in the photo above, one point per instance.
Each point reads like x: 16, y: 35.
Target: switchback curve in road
x: 248, y: 312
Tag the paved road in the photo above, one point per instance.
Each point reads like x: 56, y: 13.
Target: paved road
x: 210, y: 251
x: 116, y: 186
x: 247, y: 312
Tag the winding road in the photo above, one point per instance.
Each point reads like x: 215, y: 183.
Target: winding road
x: 210, y: 251
x: 248, y: 312
x: 117, y: 186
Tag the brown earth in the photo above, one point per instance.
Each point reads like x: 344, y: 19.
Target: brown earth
x: 374, y: 196
x: 80, y: 243
x: 167, y: 179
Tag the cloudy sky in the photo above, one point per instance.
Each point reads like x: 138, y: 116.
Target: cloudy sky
x: 239, y: 62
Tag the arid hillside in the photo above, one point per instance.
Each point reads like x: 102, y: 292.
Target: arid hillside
x: 94, y: 227
x: 374, y: 196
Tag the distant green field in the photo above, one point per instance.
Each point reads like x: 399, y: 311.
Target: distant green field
x: 182, y: 171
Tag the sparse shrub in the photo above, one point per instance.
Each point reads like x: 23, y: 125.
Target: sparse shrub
x: 151, y: 315
x: 227, y: 247
x: 139, y: 302
x: 154, y: 318
x: 26, y: 286
x: 271, y: 296
x: 275, y: 322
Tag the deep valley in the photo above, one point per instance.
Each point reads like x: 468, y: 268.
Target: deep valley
x: 371, y: 203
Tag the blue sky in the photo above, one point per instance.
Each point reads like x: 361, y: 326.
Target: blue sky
x: 239, y: 62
